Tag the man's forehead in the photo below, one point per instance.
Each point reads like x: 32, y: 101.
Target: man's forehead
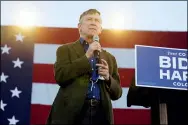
x: 96, y: 15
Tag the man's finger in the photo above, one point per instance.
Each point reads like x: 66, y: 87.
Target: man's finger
x: 103, y: 70
x: 102, y: 73
x: 104, y: 62
x: 102, y: 66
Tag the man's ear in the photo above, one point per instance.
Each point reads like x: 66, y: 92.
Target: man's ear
x: 79, y: 25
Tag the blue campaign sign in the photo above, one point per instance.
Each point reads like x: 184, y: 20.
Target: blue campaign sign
x: 161, y: 67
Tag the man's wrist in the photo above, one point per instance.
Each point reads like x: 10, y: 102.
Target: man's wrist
x: 107, y: 78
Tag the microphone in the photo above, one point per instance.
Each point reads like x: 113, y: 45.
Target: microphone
x: 97, y: 55
x: 96, y: 52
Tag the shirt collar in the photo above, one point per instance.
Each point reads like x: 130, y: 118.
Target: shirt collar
x: 82, y: 41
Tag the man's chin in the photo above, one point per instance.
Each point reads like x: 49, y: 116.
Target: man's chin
x: 92, y: 34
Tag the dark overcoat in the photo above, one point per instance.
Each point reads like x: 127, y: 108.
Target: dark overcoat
x: 72, y: 71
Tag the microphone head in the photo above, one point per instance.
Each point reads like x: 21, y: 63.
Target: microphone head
x: 96, y: 38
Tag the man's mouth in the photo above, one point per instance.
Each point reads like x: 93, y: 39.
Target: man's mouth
x: 93, y: 29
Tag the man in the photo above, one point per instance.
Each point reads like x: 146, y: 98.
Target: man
x: 83, y: 97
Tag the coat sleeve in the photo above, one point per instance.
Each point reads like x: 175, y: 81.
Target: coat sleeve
x: 65, y: 70
x: 113, y: 85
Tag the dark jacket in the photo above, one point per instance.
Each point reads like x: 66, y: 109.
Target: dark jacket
x: 72, y: 71
x: 139, y: 96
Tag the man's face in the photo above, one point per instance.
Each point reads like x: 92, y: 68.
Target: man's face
x: 90, y: 25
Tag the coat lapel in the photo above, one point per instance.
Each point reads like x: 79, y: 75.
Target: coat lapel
x: 78, y: 48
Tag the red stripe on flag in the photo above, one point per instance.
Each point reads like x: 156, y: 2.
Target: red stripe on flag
x: 39, y: 114
x: 43, y: 73
x: 115, y: 39
x: 132, y: 116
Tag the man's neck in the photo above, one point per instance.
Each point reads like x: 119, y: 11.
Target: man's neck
x: 88, y: 39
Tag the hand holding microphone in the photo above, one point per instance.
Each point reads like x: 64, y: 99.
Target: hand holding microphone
x: 94, y: 48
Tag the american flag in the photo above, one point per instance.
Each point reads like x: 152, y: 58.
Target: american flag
x: 28, y: 87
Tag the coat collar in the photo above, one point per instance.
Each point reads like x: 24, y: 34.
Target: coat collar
x: 79, y: 50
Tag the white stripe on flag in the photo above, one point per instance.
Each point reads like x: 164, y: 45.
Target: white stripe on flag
x: 48, y: 92
x: 46, y: 54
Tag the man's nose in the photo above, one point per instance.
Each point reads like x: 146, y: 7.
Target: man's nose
x: 93, y: 22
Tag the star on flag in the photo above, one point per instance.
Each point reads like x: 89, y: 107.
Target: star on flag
x: 19, y: 37
x: 18, y: 63
x: 5, y: 49
x: 13, y: 121
x: 4, y: 77
x: 3, y: 105
x: 15, y: 92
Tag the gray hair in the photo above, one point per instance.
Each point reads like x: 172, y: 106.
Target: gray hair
x: 90, y: 11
